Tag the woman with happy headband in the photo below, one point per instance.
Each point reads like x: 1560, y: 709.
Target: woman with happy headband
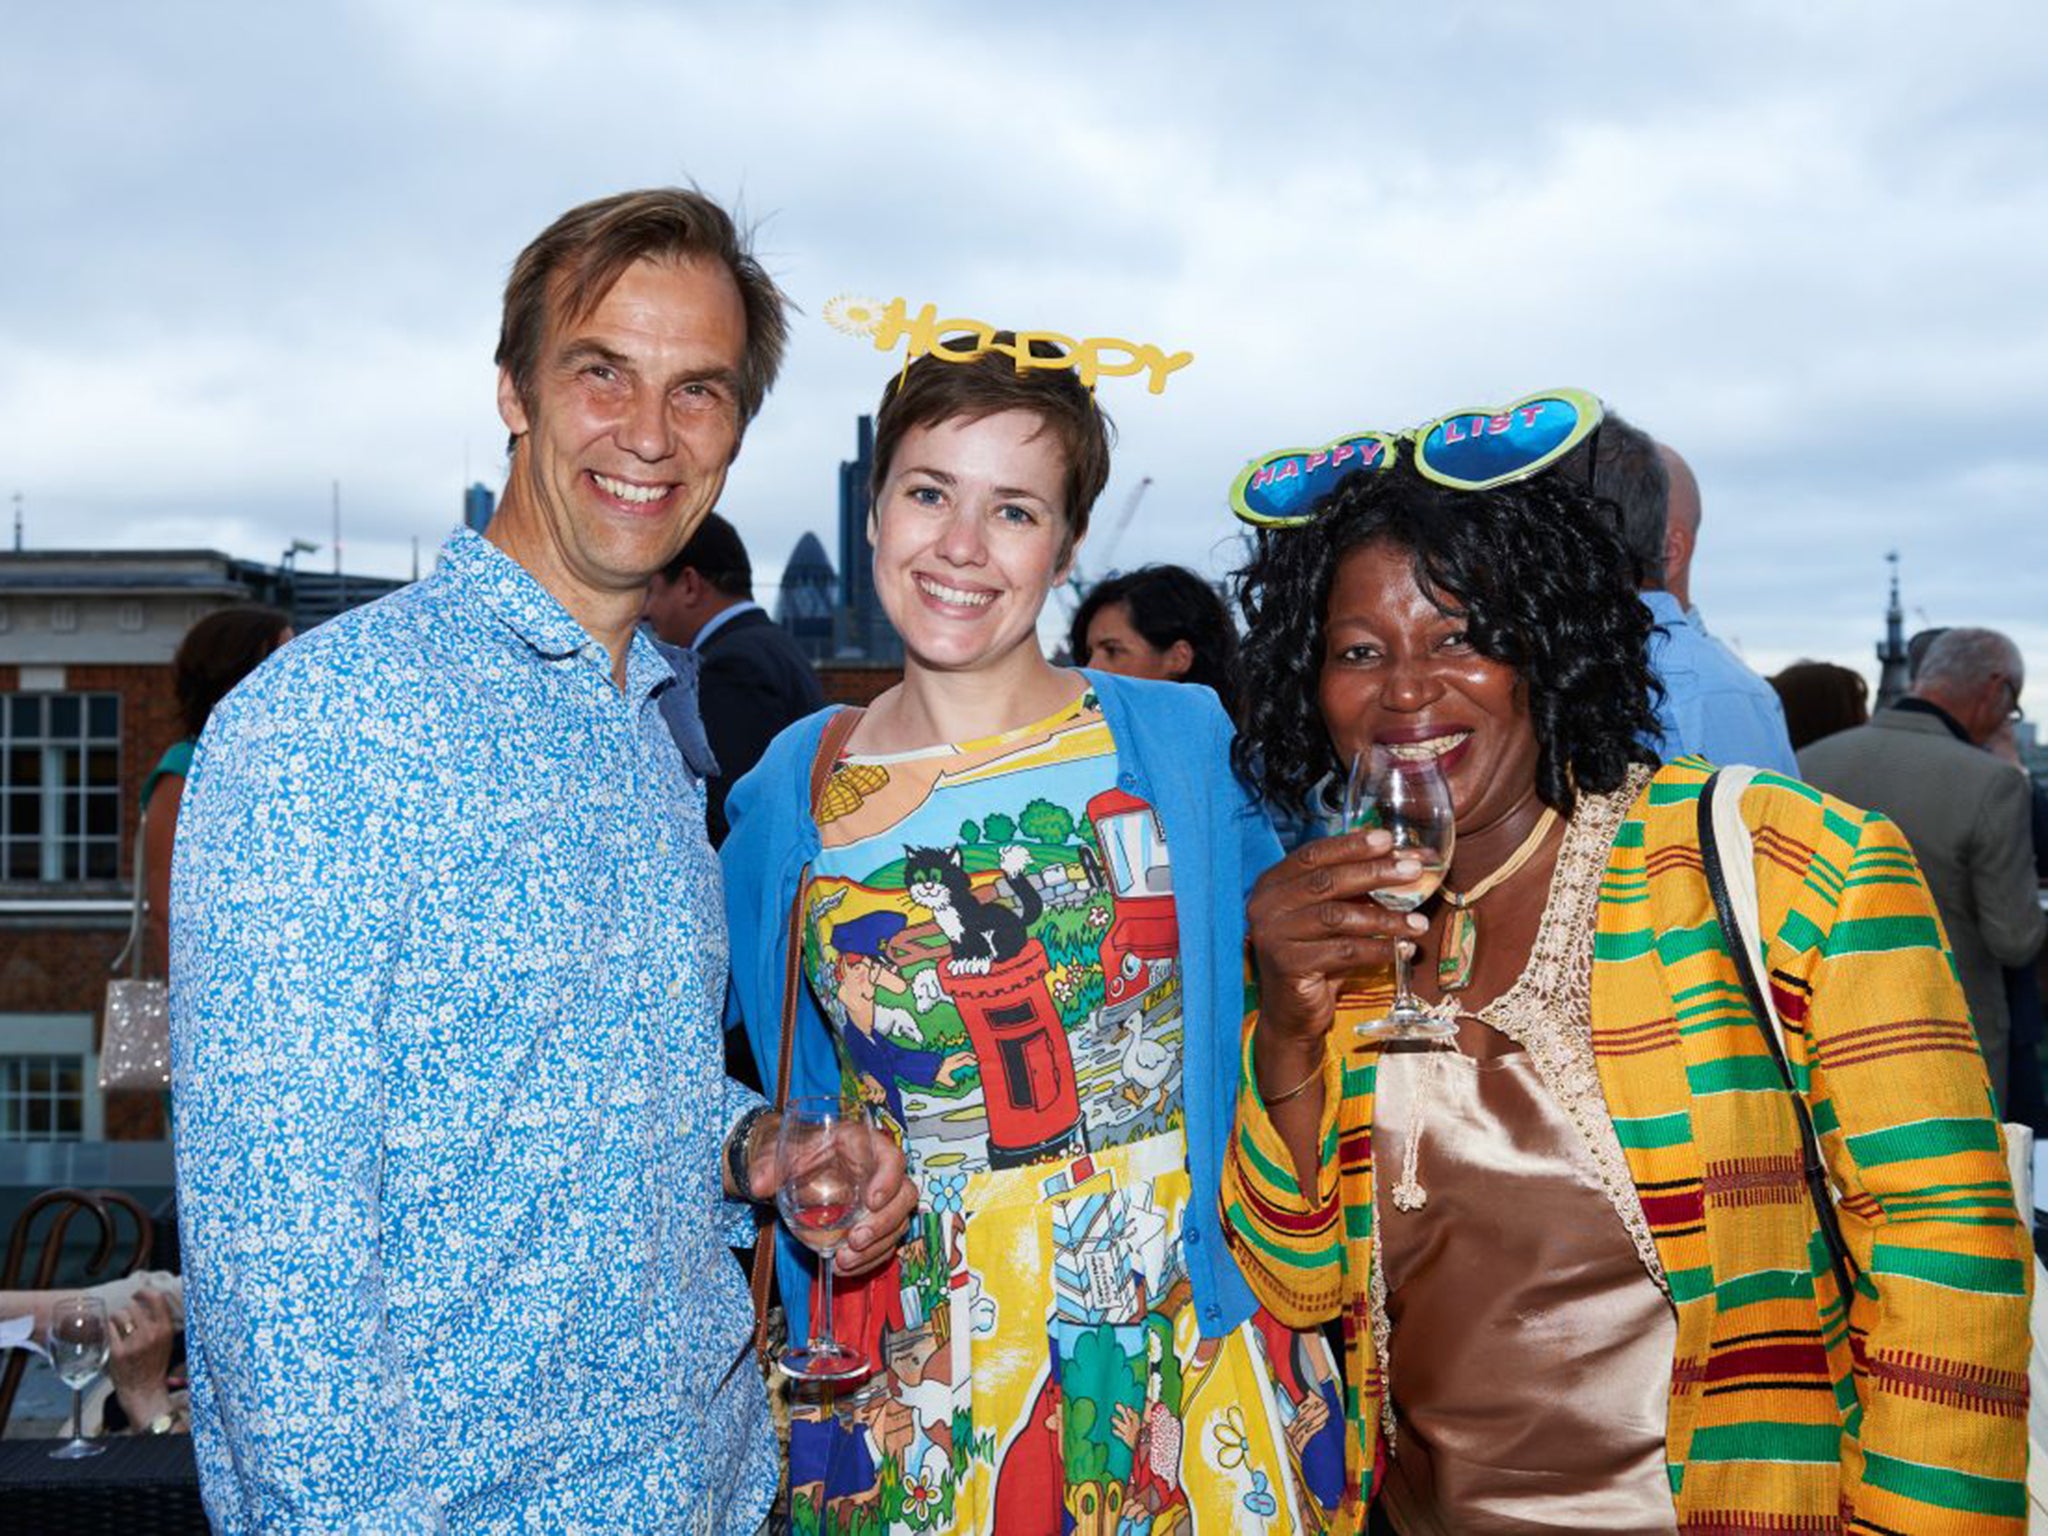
x: 1600, y: 1292
x: 1023, y: 927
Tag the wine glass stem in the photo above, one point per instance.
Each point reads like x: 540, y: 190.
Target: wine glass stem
x: 1404, y: 1000
x: 78, y: 1415
x: 825, y: 1341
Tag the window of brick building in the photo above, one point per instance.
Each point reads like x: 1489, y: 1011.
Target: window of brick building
x: 42, y: 1098
x: 60, y: 786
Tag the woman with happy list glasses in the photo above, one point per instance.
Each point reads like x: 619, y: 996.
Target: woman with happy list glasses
x: 1586, y: 1280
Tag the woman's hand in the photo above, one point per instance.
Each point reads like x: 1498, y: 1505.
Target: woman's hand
x: 139, y: 1355
x: 892, y: 1196
x: 1313, y: 923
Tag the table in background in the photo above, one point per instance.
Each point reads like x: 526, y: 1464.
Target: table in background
x: 140, y: 1484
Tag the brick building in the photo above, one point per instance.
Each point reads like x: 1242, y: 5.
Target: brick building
x: 87, y: 708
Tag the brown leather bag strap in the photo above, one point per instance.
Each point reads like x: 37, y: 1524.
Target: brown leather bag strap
x: 838, y: 730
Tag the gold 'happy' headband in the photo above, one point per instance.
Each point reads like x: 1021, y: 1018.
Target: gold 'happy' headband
x: 1096, y: 357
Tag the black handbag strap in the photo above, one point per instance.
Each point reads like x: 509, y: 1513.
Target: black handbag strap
x: 1814, y: 1166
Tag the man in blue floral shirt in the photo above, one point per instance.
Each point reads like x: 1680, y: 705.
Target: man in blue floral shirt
x: 457, y: 1162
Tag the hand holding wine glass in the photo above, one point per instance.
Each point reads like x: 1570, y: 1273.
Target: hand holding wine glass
x: 79, y: 1343
x: 825, y: 1157
x: 1404, y: 793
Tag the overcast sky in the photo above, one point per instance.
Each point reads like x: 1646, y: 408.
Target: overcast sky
x: 248, y: 250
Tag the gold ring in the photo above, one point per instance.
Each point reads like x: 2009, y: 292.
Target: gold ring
x: 126, y: 1328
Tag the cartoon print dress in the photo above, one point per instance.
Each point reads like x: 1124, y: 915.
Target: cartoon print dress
x: 990, y: 928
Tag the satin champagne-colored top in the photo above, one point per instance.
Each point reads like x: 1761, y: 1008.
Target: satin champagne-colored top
x: 1529, y: 1349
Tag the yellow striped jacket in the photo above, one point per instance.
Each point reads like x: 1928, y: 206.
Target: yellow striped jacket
x: 1906, y: 1416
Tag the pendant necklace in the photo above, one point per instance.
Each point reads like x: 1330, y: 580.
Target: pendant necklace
x: 1460, y: 949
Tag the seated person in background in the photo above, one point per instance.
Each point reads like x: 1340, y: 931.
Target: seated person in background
x: 1820, y: 699
x: 145, y: 1315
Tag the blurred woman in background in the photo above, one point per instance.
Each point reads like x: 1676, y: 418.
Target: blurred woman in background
x: 1820, y: 699
x: 217, y: 653
x: 1159, y: 621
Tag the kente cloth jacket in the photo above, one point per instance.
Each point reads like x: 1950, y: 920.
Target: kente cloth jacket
x: 1969, y: 817
x: 1173, y: 744
x: 1908, y: 1417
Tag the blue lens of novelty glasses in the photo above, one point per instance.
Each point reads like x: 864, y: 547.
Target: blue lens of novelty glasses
x: 1467, y: 450
x: 1283, y: 489
x: 1475, y: 450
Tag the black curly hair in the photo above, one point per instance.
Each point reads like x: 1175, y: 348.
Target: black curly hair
x: 1538, y: 570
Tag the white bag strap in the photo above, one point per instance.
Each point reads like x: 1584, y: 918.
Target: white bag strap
x: 1738, y: 868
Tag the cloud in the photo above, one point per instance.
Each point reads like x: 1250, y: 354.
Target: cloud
x: 257, y: 249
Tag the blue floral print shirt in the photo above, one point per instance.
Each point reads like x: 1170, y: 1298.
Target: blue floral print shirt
x: 448, y: 960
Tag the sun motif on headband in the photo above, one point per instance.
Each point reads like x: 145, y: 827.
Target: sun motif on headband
x: 1471, y: 450
x: 924, y: 334
x: 853, y: 315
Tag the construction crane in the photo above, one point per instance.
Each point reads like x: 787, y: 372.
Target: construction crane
x: 1077, y: 584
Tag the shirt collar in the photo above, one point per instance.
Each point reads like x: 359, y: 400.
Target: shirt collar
x: 1664, y: 608
x: 1921, y: 706
x: 507, y: 590
x: 719, y: 620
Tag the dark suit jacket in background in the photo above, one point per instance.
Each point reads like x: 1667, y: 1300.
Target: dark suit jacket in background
x: 1969, y: 819
x: 752, y: 681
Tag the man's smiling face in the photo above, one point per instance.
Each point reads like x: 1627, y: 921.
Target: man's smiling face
x: 626, y: 432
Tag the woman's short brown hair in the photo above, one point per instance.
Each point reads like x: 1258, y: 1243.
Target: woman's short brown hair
x: 576, y: 259
x: 932, y: 390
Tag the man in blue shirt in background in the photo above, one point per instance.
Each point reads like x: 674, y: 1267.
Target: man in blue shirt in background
x: 457, y: 1161
x: 1713, y: 705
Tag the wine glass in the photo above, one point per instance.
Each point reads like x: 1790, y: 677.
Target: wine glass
x: 1402, y: 790
x: 78, y: 1349
x: 826, y: 1155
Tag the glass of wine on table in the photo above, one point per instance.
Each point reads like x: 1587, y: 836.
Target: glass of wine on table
x: 1402, y: 790
x: 826, y: 1157
x: 79, y: 1346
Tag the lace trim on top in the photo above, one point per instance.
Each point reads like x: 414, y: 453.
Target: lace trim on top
x: 1549, y: 1013
x: 1549, y: 1009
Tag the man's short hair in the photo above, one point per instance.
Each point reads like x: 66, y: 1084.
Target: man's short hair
x: 715, y: 553
x: 575, y: 260
x: 1964, y: 658
x: 1629, y: 473
x: 934, y: 390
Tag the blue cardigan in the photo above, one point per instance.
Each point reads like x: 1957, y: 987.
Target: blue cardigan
x: 1173, y: 751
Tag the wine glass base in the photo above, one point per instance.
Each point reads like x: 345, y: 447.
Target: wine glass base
x: 77, y: 1450
x: 821, y: 1362
x: 1408, y: 1026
